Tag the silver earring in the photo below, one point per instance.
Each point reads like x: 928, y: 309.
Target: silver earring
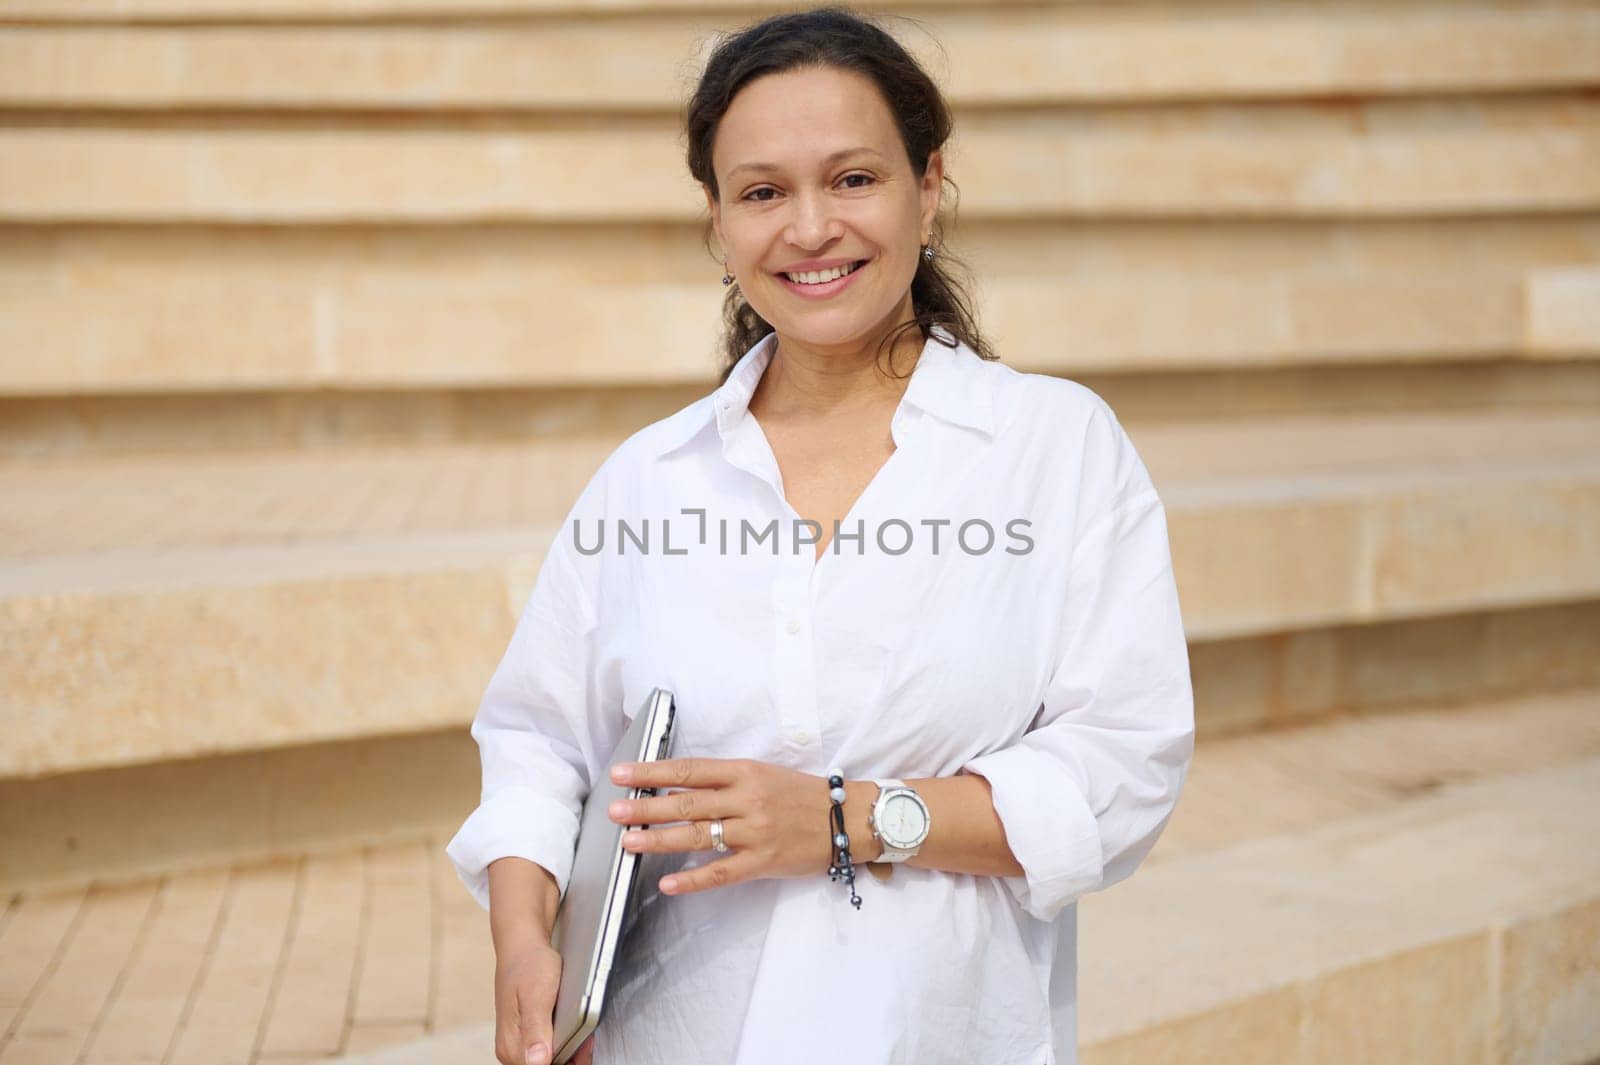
x: 927, y: 253
x: 727, y: 278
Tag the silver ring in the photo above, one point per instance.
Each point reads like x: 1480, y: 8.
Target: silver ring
x: 716, y: 837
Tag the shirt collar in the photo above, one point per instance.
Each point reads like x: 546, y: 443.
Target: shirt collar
x: 946, y: 382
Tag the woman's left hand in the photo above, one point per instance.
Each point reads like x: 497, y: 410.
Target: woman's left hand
x: 775, y: 820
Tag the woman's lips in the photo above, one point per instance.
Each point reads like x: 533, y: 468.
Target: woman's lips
x: 827, y: 288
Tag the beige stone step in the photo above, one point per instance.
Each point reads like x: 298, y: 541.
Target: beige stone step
x: 210, y: 309
x: 1462, y: 927
x: 1272, y: 680
x: 259, y: 962
x: 293, y: 793
x: 163, y: 11
x: 993, y: 56
x: 1361, y: 765
x: 137, y: 595
x: 1372, y: 158
x: 120, y: 425
x: 163, y: 504
x: 356, y: 948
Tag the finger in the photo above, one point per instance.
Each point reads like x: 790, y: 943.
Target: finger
x: 693, y: 805
x: 508, y: 1043
x: 678, y: 773
x: 531, y: 1034
x: 695, y: 836
x: 536, y: 1004
x: 508, y: 1046
x: 733, y: 869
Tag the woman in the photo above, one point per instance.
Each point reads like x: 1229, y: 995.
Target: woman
x: 877, y: 552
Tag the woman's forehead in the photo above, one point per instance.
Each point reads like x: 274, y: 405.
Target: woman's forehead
x: 803, y: 118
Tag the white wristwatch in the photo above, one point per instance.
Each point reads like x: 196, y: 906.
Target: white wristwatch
x: 899, y: 821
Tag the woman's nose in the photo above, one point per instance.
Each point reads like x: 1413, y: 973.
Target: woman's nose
x: 813, y: 223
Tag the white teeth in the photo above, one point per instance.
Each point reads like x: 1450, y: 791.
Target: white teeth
x: 817, y: 277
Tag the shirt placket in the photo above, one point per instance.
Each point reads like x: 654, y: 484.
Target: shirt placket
x: 794, y: 659
x: 794, y: 632
x: 794, y: 596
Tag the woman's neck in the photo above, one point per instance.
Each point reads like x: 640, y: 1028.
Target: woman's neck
x: 805, y: 382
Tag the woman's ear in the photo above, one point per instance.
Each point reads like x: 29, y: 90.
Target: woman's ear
x: 932, y: 186
x: 716, y: 214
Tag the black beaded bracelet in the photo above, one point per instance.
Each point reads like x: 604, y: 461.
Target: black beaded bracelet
x: 841, y: 866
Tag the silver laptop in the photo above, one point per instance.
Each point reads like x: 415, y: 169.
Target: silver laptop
x: 593, y: 914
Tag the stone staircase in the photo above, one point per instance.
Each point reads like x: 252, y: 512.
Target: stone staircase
x: 309, y: 336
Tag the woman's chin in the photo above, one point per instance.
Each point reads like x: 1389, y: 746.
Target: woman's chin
x: 824, y: 329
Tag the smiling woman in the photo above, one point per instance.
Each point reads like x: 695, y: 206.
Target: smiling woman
x: 821, y: 131
x: 807, y: 161
x: 1002, y: 730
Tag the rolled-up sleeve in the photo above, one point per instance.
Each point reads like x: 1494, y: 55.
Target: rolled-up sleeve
x: 542, y: 731
x: 1084, y: 794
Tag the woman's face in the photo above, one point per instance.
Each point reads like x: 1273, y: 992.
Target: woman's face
x: 812, y: 174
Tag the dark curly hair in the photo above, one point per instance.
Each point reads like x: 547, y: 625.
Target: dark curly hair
x: 834, y: 37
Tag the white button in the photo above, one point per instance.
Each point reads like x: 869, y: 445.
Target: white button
x: 793, y: 626
x: 802, y: 736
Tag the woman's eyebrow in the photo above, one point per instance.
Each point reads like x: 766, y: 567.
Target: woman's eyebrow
x: 842, y: 154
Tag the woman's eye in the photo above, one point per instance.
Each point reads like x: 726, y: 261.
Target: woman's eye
x: 755, y: 194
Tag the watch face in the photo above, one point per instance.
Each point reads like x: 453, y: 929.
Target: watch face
x: 903, y: 820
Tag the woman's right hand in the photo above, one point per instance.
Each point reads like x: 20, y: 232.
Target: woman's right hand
x: 524, y: 900
x: 526, y: 977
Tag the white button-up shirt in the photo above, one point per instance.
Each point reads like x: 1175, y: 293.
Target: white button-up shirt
x: 1000, y: 600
